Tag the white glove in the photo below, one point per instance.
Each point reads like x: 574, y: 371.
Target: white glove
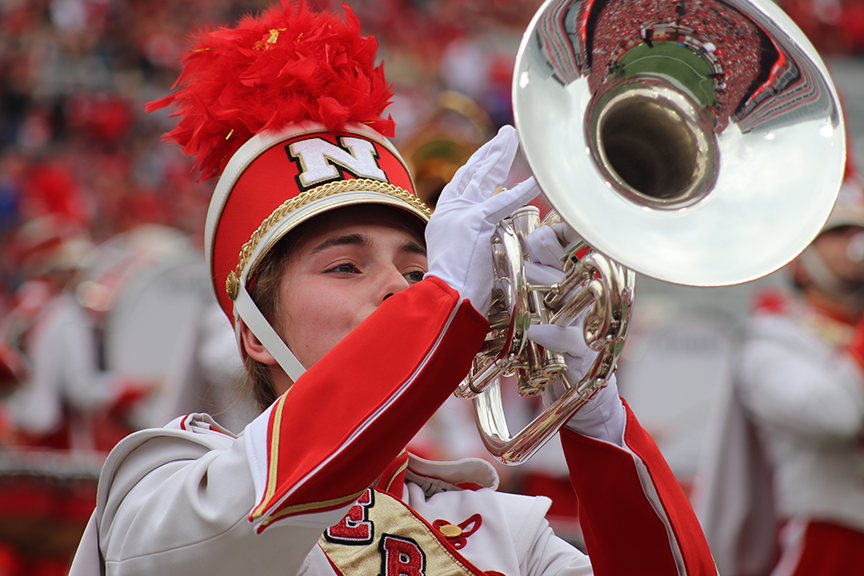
x: 603, y: 417
x: 544, y: 244
x: 458, y: 235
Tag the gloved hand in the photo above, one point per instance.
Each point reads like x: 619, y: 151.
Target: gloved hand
x: 603, y: 417
x: 458, y: 235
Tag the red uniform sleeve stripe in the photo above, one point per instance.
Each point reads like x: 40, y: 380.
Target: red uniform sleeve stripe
x: 352, y: 413
x: 618, y: 511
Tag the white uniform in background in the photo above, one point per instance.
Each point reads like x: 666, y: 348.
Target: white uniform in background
x: 65, y: 379
x: 789, y: 446
x: 807, y: 396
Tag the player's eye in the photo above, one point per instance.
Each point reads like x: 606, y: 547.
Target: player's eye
x: 345, y: 268
x: 414, y: 276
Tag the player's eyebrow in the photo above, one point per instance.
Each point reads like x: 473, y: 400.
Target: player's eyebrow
x: 409, y: 246
x: 413, y: 248
x: 356, y: 239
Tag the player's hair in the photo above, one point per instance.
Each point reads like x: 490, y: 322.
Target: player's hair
x: 265, y: 293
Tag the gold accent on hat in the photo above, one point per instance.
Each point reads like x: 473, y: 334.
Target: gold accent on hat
x: 273, y: 37
x: 232, y: 285
x: 304, y: 198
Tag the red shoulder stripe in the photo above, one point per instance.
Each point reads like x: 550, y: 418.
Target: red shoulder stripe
x: 634, y: 515
x: 352, y: 413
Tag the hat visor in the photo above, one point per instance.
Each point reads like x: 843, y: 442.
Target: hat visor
x: 279, y: 227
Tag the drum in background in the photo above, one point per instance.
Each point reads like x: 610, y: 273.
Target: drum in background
x: 149, y: 288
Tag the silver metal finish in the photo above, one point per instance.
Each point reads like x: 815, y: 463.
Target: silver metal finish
x: 516, y: 304
x: 699, y: 142
x: 595, y: 285
x: 775, y: 145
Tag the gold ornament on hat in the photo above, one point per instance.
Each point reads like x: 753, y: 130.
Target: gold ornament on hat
x: 305, y: 198
x: 269, y: 39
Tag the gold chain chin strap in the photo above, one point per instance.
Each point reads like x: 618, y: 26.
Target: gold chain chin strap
x: 338, y: 187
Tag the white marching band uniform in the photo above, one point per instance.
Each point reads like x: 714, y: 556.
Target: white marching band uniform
x: 261, y: 501
x: 808, y: 396
x: 781, y: 488
x: 789, y: 448
x: 65, y: 380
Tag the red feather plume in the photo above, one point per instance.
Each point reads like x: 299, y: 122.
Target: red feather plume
x: 287, y: 65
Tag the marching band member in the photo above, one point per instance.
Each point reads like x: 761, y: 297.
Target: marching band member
x: 781, y: 490
x: 356, y: 321
x: 65, y: 399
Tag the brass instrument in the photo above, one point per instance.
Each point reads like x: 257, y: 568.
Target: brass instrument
x: 444, y: 142
x: 700, y: 143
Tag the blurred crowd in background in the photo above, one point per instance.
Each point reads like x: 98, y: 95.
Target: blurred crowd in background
x: 75, y: 73
x: 80, y: 160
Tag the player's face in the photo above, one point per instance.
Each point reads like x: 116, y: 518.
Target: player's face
x: 340, y: 272
x: 843, y: 252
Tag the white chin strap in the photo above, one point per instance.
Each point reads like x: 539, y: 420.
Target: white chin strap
x: 245, y: 307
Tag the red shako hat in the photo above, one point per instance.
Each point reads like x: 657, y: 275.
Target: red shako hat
x: 286, y: 108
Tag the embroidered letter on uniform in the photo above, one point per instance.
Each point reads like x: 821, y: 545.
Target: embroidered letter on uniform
x: 402, y: 542
x: 355, y: 529
x: 401, y: 557
x: 318, y: 160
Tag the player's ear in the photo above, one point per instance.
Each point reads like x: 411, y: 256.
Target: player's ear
x: 253, y: 346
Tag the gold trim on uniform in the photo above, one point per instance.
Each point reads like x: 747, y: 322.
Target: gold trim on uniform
x: 272, y: 457
x: 392, y: 518
x: 395, y: 475
x: 311, y: 506
x: 272, y: 479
